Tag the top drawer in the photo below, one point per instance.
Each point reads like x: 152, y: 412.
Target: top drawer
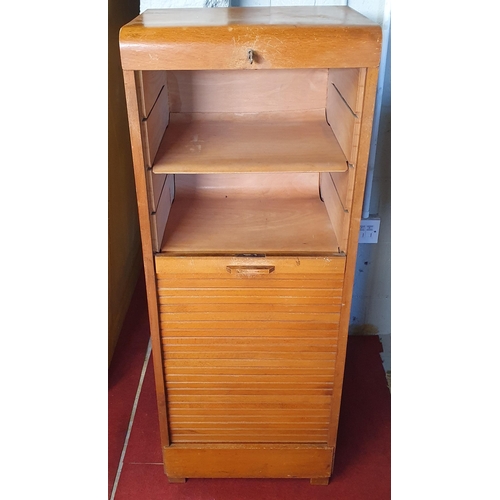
x: 255, y: 38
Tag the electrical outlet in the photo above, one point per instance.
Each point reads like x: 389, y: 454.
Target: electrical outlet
x: 368, y: 230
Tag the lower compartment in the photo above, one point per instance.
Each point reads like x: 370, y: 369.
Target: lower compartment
x: 252, y: 213
x: 249, y: 461
x: 249, y: 347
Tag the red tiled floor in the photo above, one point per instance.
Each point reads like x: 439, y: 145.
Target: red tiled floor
x: 144, y: 445
x: 362, y: 463
x: 123, y: 377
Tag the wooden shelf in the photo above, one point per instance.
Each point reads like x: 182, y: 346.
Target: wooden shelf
x: 249, y: 142
x: 274, y: 218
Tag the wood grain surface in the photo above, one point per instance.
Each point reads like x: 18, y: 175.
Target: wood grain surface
x: 299, y: 141
x: 248, y: 461
x: 280, y: 37
x: 263, y: 384
x: 249, y: 289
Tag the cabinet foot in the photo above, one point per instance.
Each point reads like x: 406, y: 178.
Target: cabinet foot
x: 322, y: 481
x: 176, y: 479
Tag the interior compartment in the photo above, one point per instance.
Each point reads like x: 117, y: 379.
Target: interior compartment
x: 269, y: 120
x: 257, y: 162
x: 248, y: 213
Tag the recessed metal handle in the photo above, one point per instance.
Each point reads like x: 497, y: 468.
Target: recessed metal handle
x: 250, y: 55
x: 250, y: 270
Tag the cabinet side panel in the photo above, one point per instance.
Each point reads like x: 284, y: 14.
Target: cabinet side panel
x: 160, y: 215
x: 339, y: 216
x: 133, y: 109
x: 348, y: 81
x: 344, y: 108
x: 150, y: 84
x: 154, y: 96
x: 344, y: 183
x: 155, y: 125
x: 341, y: 120
x: 156, y: 183
x: 355, y: 219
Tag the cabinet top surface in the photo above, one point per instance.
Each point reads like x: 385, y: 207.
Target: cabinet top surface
x: 299, y: 16
x: 280, y: 37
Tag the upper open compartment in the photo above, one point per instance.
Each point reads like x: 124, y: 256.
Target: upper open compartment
x: 241, y: 121
x: 248, y: 90
x: 302, y: 121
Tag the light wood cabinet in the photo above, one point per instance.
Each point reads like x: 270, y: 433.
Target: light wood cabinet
x: 250, y: 132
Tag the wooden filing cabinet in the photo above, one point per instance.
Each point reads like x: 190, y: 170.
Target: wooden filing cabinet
x: 250, y: 132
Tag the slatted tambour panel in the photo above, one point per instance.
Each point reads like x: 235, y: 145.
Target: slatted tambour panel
x: 250, y: 357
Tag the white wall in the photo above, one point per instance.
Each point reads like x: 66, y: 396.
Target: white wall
x: 371, y: 310
x: 165, y: 4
